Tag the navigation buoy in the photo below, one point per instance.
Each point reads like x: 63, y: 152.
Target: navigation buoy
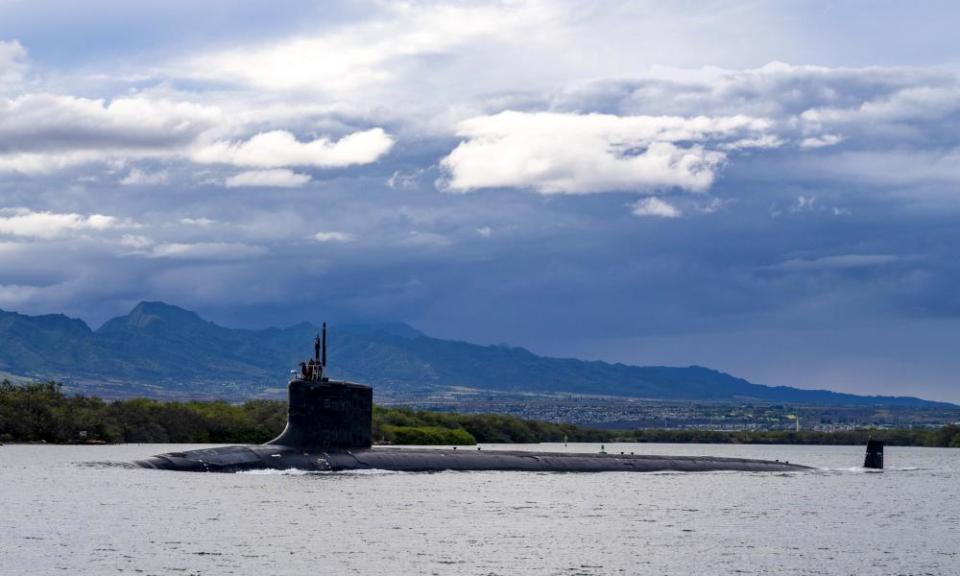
x: 874, y: 457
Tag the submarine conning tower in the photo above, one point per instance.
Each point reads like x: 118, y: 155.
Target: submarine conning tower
x: 325, y: 414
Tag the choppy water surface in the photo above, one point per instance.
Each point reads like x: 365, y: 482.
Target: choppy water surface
x: 76, y: 510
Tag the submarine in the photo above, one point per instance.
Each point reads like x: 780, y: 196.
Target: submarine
x: 329, y: 429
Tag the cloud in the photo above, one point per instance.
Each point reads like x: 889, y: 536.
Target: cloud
x: 57, y: 123
x: 820, y: 141
x: 280, y: 148
x: 333, y: 237
x: 909, y: 112
x: 555, y: 153
x: 919, y: 101
x: 808, y: 205
x: 10, y: 247
x: 368, y: 53
x: 886, y: 125
x: 35, y: 163
x: 197, y: 221
x: 655, y: 207
x: 135, y: 241
x: 804, y: 204
x: 137, y: 177
x: 12, y: 56
x: 709, y: 207
x: 206, y: 251
x: 839, y: 262
x: 41, y: 133
x: 405, y: 181
x: 776, y: 90
x: 280, y: 178
x: 26, y: 223
x: 419, y: 239
x: 15, y: 294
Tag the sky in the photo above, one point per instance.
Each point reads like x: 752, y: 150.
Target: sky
x: 767, y: 188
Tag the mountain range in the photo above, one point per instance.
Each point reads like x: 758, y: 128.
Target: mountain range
x: 162, y: 350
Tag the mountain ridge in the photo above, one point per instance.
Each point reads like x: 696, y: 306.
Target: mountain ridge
x: 160, y: 349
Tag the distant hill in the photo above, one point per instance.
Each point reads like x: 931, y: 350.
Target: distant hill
x: 166, y: 351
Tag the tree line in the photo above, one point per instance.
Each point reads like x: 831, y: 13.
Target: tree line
x: 42, y: 412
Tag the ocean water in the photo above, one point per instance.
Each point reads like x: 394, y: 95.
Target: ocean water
x: 81, y: 510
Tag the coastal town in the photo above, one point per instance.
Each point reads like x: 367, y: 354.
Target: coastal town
x: 621, y: 413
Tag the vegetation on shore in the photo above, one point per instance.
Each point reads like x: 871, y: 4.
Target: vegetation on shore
x: 41, y: 412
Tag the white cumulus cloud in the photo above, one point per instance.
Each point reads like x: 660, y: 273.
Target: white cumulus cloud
x: 584, y: 153
x: 45, y: 225
x: 279, y: 178
x: 655, y: 207
x: 280, y: 148
x: 820, y: 141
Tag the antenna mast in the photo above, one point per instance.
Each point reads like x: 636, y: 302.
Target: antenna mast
x: 323, y: 362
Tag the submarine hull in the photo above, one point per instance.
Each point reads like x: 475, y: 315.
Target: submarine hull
x: 329, y: 428
x: 267, y: 457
